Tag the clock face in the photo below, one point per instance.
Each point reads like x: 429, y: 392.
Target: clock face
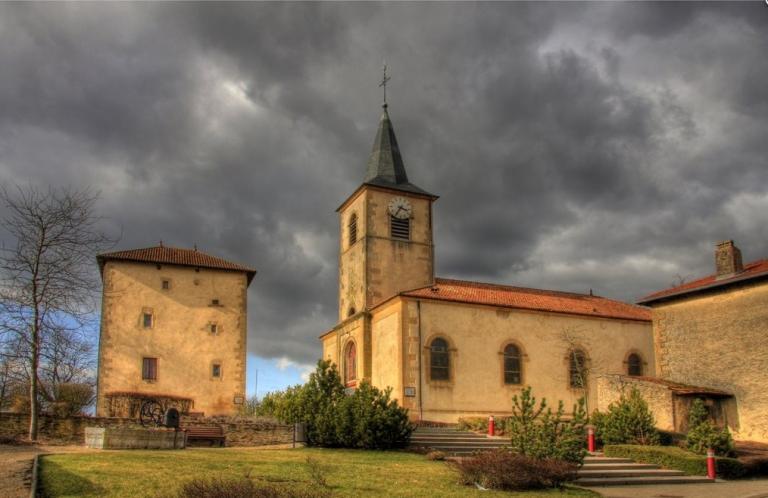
x: 400, y: 208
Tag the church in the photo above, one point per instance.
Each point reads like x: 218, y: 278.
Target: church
x: 451, y: 348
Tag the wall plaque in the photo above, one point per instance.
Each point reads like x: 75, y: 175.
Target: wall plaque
x: 410, y: 392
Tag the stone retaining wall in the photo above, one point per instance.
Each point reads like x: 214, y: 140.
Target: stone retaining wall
x: 71, y: 430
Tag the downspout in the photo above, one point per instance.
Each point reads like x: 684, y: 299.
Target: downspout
x: 421, y: 392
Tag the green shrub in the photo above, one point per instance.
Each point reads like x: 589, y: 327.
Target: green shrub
x: 503, y: 469
x: 703, y: 434
x: 628, y: 421
x: 676, y: 458
x: 538, y: 432
x: 475, y: 424
x: 367, y: 418
x: 370, y: 419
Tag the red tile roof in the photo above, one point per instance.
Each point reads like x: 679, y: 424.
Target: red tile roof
x: 751, y: 271
x: 530, y: 299
x: 174, y: 256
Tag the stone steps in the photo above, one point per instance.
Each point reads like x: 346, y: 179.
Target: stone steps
x: 597, y: 470
x: 603, y: 471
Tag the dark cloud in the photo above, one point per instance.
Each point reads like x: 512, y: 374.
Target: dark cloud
x: 574, y: 146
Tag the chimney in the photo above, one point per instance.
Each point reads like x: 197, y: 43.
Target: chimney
x: 727, y: 259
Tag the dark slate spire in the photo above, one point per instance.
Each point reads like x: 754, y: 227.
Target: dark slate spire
x: 385, y: 164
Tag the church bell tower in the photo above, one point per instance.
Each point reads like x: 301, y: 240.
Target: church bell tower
x: 385, y: 244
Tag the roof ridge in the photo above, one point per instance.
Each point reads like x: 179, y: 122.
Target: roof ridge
x: 515, y: 287
x: 694, y: 285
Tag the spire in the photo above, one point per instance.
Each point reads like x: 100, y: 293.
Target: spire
x: 385, y: 163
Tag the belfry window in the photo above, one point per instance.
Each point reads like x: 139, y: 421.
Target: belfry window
x: 439, y: 360
x: 353, y: 229
x: 350, y: 364
x: 634, y: 365
x: 400, y: 228
x: 512, y: 370
x: 577, y: 369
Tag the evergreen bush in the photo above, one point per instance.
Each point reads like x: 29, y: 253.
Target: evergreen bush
x: 627, y: 421
x: 367, y: 418
x: 703, y: 434
x: 538, y: 432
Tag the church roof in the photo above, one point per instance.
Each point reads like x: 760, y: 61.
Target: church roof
x: 174, y: 256
x: 530, y: 299
x: 752, y: 271
x: 385, y: 164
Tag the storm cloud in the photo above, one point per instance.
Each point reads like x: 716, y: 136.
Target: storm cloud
x: 574, y: 146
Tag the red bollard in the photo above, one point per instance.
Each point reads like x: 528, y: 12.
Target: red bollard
x: 711, y: 473
x: 591, y: 439
x: 491, y: 427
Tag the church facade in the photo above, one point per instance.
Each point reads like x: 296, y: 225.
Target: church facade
x: 450, y: 348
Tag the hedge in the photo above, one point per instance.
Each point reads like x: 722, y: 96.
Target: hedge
x: 676, y: 458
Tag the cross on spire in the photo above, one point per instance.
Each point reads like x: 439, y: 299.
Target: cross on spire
x: 383, y: 84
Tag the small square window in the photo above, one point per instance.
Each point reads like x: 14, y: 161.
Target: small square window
x: 166, y: 284
x: 215, y: 302
x: 216, y: 371
x: 147, y: 319
x: 214, y: 328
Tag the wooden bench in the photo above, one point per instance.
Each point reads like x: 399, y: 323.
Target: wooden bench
x: 213, y: 434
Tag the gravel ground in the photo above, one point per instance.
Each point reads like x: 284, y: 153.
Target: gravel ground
x: 16, y: 466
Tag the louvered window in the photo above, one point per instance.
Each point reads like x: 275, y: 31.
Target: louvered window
x: 400, y: 229
x: 353, y: 228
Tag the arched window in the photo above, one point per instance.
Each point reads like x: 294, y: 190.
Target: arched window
x: 353, y: 228
x: 634, y: 365
x: 577, y: 368
x: 350, y: 363
x: 439, y: 360
x: 512, y: 365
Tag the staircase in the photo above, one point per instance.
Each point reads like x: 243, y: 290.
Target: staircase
x: 454, y: 442
x: 596, y: 471
x: 603, y: 471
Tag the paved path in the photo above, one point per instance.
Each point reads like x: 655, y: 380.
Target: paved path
x: 757, y: 488
x: 16, y: 466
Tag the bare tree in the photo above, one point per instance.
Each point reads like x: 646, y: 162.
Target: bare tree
x: 581, y: 367
x: 48, y: 280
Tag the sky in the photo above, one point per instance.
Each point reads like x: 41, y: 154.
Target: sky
x: 574, y: 146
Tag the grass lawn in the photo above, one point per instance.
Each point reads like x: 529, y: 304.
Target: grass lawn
x: 349, y: 472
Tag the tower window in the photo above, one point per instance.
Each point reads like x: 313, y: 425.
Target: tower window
x: 214, y: 328
x: 215, y: 302
x: 350, y: 364
x: 353, y: 228
x: 166, y: 285
x: 147, y: 319
x: 216, y: 370
x: 149, y: 368
x: 400, y: 228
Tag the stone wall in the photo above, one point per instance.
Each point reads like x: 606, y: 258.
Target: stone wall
x: 71, y: 430
x: 719, y: 341
x: 659, y: 397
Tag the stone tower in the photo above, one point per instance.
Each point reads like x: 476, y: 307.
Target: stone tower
x: 385, y: 243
